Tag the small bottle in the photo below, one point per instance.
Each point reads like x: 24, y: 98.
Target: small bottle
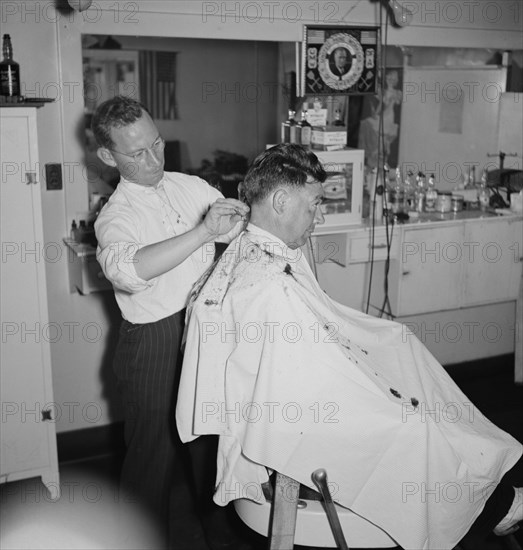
x: 337, y: 119
x: 288, y: 129
x: 304, y: 129
x: 419, y: 193
x: 82, y: 231
x: 397, y: 194
x: 431, y: 195
x: 9, y: 71
x: 472, y: 178
x: 484, y: 193
x: 74, y: 231
x: 376, y: 196
x: 408, y: 194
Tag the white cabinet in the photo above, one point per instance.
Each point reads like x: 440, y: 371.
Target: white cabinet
x: 493, y: 261
x: 429, y: 271
x: 451, y: 266
x: 28, y: 437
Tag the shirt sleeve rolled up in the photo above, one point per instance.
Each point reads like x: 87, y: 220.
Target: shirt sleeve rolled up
x: 118, y: 243
x: 118, y: 263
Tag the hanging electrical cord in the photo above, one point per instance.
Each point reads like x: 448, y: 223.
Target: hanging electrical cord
x: 386, y: 307
x: 375, y: 190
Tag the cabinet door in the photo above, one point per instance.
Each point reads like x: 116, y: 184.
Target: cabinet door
x: 28, y: 441
x: 493, y: 261
x: 430, y: 270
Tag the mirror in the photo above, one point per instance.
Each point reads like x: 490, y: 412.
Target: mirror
x: 228, y: 95
x: 232, y: 95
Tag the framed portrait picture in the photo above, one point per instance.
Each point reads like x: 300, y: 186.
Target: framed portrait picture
x: 339, y: 60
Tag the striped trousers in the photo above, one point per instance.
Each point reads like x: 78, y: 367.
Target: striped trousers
x: 147, y: 367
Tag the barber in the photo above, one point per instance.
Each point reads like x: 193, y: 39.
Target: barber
x: 155, y: 239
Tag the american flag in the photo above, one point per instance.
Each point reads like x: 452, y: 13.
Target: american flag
x: 158, y: 83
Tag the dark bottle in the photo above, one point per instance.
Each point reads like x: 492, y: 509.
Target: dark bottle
x: 304, y: 129
x: 337, y: 119
x: 9, y: 71
x: 288, y: 129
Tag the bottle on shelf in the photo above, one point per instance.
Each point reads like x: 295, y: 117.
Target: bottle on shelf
x: 419, y: 193
x: 376, y: 195
x: 303, y: 128
x: 337, y: 119
x: 408, y: 194
x: 74, y: 231
x: 431, y: 195
x: 288, y: 129
x: 471, y: 183
x: 9, y: 70
x: 484, y: 192
x: 397, y: 194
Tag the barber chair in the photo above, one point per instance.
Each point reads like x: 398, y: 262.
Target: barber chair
x: 286, y: 519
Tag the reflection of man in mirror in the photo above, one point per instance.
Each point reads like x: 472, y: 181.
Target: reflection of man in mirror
x: 340, y: 62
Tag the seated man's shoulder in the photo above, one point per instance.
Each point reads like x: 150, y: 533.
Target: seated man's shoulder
x: 251, y: 272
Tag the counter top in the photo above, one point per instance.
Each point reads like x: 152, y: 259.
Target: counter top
x: 425, y: 218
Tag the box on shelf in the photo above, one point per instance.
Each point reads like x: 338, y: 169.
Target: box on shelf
x: 329, y: 138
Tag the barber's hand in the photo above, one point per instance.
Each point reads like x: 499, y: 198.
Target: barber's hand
x: 223, y: 216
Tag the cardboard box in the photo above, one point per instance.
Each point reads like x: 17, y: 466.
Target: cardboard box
x: 329, y: 138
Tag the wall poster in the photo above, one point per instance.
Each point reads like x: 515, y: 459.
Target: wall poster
x: 339, y: 60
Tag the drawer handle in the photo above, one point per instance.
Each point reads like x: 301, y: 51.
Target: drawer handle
x: 375, y: 247
x: 405, y: 272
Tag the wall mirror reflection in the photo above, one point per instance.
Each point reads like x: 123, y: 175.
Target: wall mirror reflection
x: 228, y: 99
x: 232, y: 95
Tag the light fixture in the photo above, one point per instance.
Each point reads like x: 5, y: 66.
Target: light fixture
x: 402, y: 16
x: 80, y: 5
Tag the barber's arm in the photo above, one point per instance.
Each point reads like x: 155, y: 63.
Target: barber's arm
x: 158, y: 258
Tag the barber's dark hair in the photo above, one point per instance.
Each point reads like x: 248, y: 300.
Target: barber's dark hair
x: 116, y: 112
x: 284, y: 164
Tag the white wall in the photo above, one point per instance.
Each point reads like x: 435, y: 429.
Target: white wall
x: 226, y: 95
x: 47, y: 45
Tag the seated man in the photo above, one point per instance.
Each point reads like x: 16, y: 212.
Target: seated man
x: 293, y: 381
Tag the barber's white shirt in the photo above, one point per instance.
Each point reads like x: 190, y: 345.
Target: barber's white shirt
x: 136, y: 216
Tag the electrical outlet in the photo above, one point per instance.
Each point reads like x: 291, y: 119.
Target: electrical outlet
x: 53, y: 176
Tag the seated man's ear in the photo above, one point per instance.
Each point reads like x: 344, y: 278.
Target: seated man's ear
x: 105, y: 156
x: 241, y: 192
x: 280, y: 200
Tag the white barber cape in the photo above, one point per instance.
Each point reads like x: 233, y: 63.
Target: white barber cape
x: 293, y: 381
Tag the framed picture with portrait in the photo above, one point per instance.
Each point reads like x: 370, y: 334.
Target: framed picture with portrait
x: 339, y: 60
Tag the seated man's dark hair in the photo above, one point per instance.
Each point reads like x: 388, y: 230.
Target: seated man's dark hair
x: 284, y: 164
x: 114, y: 113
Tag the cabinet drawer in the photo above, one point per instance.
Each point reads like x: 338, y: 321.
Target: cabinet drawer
x: 361, y: 248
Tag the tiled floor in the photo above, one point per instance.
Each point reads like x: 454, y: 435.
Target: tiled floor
x: 91, y: 514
